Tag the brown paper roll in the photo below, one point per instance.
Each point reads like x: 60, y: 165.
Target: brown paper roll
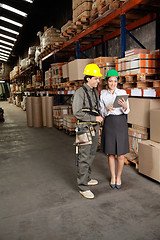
x: 29, y: 112
x: 44, y: 113
x: 49, y: 109
x: 37, y: 111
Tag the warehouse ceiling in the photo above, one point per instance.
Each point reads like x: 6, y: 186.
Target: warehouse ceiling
x: 16, y: 37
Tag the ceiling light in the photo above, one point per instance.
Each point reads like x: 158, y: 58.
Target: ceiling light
x: 13, y: 10
x: 1, y: 59
x: 4, y: 51
x: 30, y: 1
x: 8, y: 48
x: 7, y: 43
x: 10, y: 38
x: 4, y: 54
x: 11, y: 21
x: 9, y: 30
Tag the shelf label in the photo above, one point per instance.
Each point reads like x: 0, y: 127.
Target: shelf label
x: 136, y: 92
x: 149, y: 92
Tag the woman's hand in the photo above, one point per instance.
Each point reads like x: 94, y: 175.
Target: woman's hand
x: 109, y: 108
x: 123, y: 103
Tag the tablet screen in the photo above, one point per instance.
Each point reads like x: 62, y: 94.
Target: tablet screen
x: 115, y: 104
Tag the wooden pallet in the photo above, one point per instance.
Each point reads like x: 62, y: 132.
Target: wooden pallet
x: 131, y: 158
x: 68, y: 86
x: 142, y: 85
x: 142, y: 81
x: 139, y: 128
x: 82, y: 23
x: 71, y: 30
x: 70, y: 132
x: 141, y: 77
x: 58, y: 127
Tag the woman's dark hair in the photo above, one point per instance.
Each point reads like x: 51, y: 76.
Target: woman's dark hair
x: 87, y: 76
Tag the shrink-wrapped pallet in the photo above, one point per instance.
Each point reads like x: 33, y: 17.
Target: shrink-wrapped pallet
x: 49, y: 37
x: 138, y: 63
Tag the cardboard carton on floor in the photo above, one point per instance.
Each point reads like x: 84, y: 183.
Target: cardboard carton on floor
x: 155, y: 125
x: 76, y: 68
x: 140, y: 110
x: 149, y: 159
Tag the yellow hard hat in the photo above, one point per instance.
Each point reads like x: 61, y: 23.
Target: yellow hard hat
x: 92, y: 70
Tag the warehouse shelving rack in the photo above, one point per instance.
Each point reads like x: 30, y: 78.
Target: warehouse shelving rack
x: 130, y: 15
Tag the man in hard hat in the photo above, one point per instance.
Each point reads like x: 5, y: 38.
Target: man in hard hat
x: 86, y: 109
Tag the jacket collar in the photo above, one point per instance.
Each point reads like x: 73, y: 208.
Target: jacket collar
x: 88, y: 87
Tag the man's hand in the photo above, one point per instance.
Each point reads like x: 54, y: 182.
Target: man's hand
x: 99, y: 119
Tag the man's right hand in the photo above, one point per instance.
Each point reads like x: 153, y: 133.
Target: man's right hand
x: 99, y: 119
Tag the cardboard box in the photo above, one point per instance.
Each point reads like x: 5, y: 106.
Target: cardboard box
x: 65, y: 71
x: 76, y: 68
x: 140, y: 110
x: 103, y: 60
x: 155, y: 125
x: 149, y: 159
x: 135, y: 137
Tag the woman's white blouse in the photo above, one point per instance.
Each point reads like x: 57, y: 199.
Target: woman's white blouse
x: 107, y: 98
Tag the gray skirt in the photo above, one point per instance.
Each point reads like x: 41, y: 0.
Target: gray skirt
x: 115, y: 135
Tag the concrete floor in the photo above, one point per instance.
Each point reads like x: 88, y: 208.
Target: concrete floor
x: 38, y: 191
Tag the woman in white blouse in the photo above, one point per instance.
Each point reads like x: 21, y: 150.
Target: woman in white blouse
x: 115, y: 131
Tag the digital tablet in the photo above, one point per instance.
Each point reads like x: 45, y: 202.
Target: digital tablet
x: 115, y: 104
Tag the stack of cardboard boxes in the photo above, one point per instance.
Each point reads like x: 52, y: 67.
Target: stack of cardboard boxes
x: 49, y: 37
x: 69, y: 123
x: 145, y: 113
x: 139, y: 61
x: 105, y: 64
x: 48, y: 78
x: 37, y: 79
x: 56, y: 73
x: 59, y: 112
x: 149, y: 151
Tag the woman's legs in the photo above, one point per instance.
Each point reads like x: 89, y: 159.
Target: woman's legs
x: 111, y: 160
x: 120, y: 164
